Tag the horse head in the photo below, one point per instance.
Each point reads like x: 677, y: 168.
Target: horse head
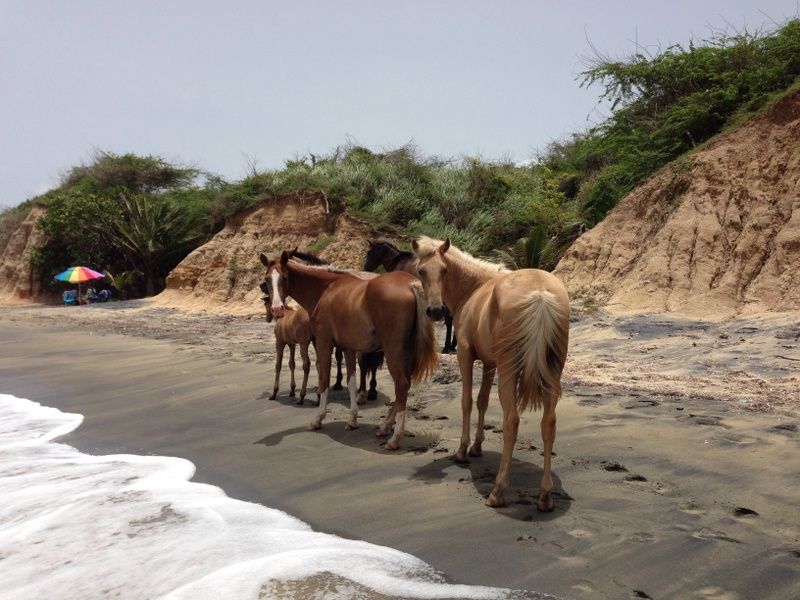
x: 375, y: 256
x: 431, y: 270
x: 264, y: 285
x: 277, y: 281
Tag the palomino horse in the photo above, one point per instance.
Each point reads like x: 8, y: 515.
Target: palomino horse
x: 360, y: 313
x: 292, y: 329
x: 391, y: 258
x: 516, y: 323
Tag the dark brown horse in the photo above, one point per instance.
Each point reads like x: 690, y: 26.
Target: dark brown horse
x: 360, y: 313
x: 391, y: 258
x: 515, y: 323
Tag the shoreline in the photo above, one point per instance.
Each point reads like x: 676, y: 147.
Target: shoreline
x: 198, y: 393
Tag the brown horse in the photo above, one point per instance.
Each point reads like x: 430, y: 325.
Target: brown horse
x: 292, y: 329
x: 360, y: 313
x: 516, y: 323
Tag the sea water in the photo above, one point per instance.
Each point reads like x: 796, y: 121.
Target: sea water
x: 79, y: 526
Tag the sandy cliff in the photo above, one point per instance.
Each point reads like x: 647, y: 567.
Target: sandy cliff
x: 19, y: 282
x: 716, y: 232
x: 226, y: 270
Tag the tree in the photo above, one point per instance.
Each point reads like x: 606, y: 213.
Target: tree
x: 154, y: 234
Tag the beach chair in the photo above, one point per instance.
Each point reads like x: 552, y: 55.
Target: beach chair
x: 102, y: 296
x: 69, y: 297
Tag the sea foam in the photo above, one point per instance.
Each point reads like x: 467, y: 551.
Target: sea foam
x: 79, y: 526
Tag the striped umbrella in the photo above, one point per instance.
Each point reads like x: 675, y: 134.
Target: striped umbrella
x: 78, y: 275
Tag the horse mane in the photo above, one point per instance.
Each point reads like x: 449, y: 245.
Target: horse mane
x: 309, y: 258
x: 312, y: 261
x: 426, y: 246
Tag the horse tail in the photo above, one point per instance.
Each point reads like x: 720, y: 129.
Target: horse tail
x: 535, y: 342
x: 425, y: 359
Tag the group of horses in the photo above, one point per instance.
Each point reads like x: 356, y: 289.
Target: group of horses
x: 515, y: 322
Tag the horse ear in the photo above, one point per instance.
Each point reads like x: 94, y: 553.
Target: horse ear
x: 264, y: 260
x: 444, y: 247
x: 284, y: 257
x: 415, y: 244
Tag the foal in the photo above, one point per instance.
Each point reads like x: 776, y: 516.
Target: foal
x: 516, y: 323
x: 293, y: 328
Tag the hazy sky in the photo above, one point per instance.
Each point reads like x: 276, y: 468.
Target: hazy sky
x: 223, y: 85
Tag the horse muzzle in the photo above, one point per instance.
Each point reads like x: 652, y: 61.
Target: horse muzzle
x: 435, y: 313
x: 277, y: 310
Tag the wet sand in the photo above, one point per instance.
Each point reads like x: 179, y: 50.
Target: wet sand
x: 676, y: 453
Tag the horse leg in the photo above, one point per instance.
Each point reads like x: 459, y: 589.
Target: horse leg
x: 350, y: 360
x: 545, y: 502
x: 279, y: 346
x: 306, y: 369
x: 483, y: 403
x: 508, y: 400
x: 291, y: 370
x: 338, y: 384
x: 373, y: 384
x: 448, y: 323
x: 465, y: 359
x: 362, y: 369
x: 400, y: 369
x: 324, y: 349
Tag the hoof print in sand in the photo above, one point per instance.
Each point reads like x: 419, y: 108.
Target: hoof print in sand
x: 743, y: 511
x: 614, y: 467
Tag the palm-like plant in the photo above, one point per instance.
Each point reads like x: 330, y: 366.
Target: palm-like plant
x: 152, y: 232
x: 532, y: 252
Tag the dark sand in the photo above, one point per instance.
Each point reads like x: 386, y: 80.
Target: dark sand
x: 669, y: 486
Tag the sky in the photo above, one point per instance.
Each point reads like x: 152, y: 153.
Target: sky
x: 231, y: 86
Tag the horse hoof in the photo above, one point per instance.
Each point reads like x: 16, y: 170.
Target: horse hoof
x: 361, y: 399
x: 314, y: 425
x: 493, y: 501
x: 337, y: 386
x: 273, y: 396
x: 299, y: 401
x: 351, y: 426
x: 291, y: 394
x: 390, y: 445
x: 460, y: 458
x: 379, y: 432
x: 372, y: 395
x: 475, y: 451
x: 545, y: 503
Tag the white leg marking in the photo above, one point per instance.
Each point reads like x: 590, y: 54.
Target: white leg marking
x: 399, y: 430
x: 323, y: 407
x: 353, y: 389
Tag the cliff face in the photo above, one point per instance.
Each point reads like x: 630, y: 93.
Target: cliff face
x: 19, y: 282
x: 227, y: 270
x: 717, y: 232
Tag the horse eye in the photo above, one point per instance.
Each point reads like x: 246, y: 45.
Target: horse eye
x: 422, y: 271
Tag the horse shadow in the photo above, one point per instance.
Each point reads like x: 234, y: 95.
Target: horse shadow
x: 363, y: 438
x: 521, y: 494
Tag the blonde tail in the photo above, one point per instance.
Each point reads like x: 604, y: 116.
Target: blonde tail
x: 426, y: 359
x: 536, y: 344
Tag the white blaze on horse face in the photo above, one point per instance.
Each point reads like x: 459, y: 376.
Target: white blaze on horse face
x: 277, y: 303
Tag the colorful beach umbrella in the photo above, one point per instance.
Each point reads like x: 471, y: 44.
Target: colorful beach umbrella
x: 78, y: 275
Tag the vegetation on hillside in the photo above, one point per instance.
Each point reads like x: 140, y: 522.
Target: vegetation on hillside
x: 667, y: 104
x: 138, y: 216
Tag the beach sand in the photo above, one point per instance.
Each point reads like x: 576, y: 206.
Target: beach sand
x: 676, y: 452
